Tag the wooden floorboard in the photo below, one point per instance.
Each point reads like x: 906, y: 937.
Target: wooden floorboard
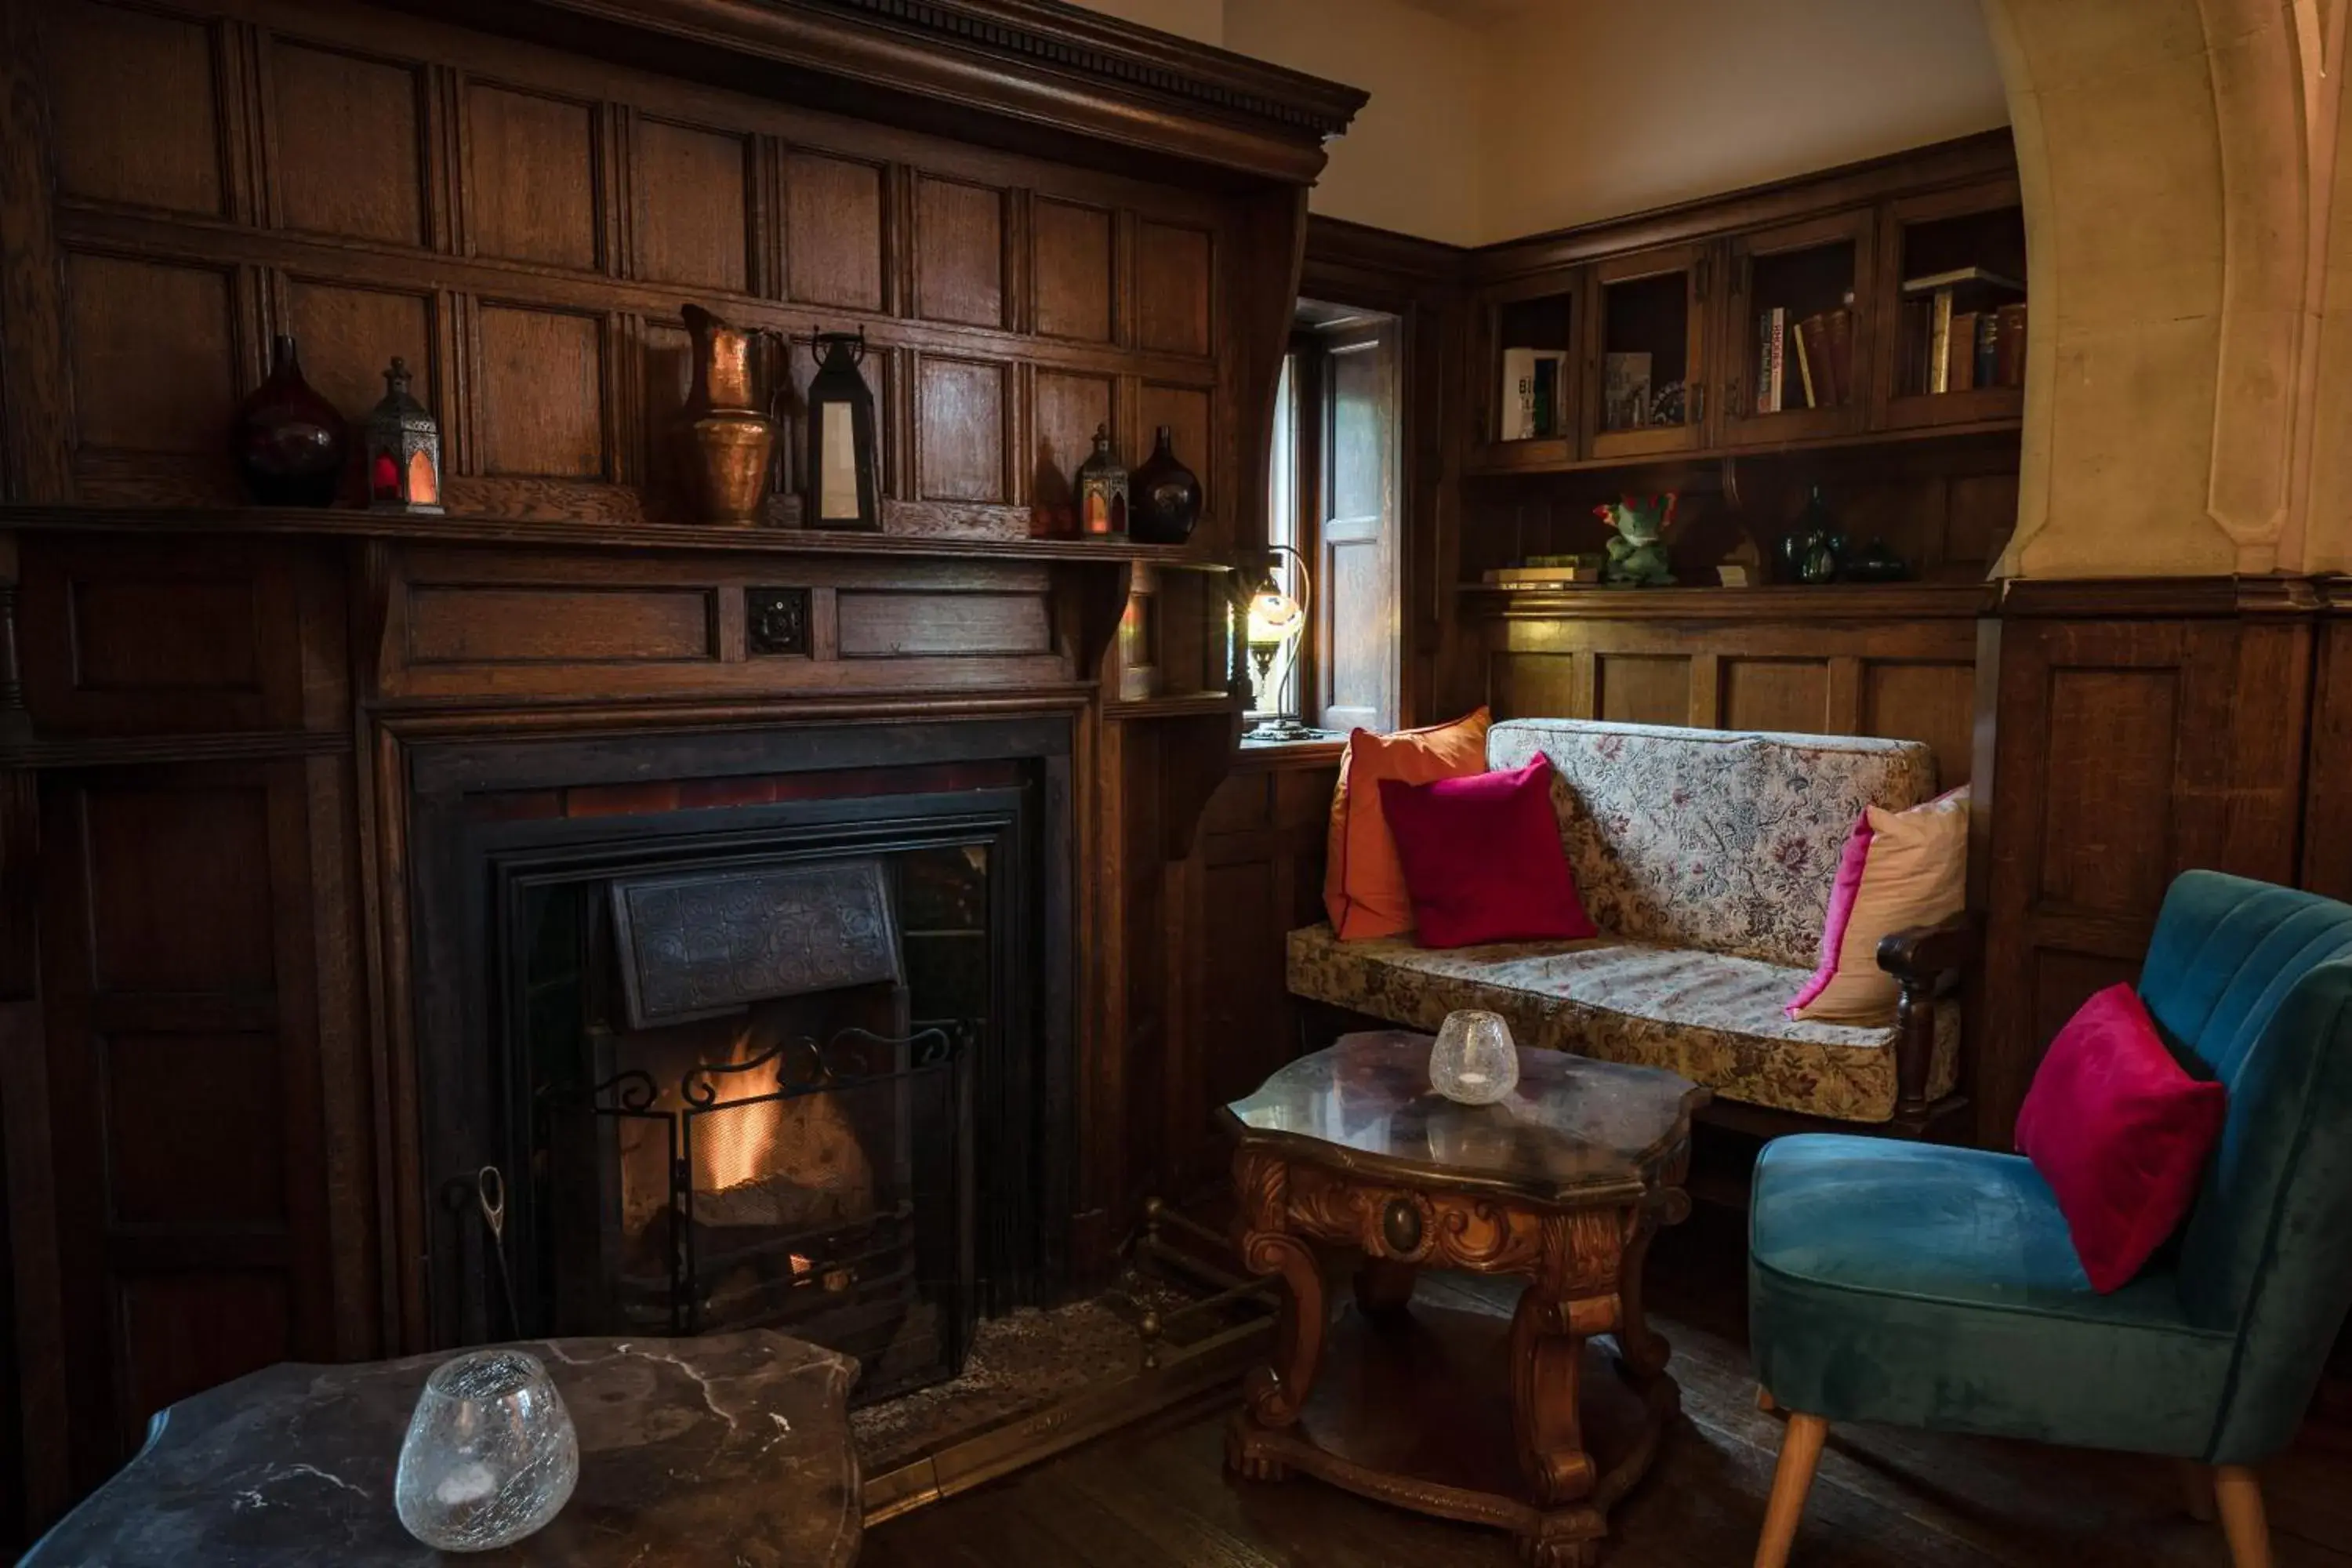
x: 1157, y: 1496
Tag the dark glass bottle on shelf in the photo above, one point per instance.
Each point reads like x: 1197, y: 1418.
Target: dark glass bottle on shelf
x: 1164, y: 496
x: 288, y: 441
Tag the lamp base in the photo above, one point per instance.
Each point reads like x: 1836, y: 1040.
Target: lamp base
x: 1286, y: 729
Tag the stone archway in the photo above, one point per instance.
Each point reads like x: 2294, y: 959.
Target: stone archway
x: 2190, y: 367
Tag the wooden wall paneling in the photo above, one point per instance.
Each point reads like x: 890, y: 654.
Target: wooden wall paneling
x: 1898, y: 661
x: 347, y: 135
x: 158, y: 352
x: 463, y: 623
x: 2327, y: 791
x: 531, y: 183
x: 348, y: 337
x: 1255, y: 873
x: 124, y: 637
x: 540, y: 388
x: 960, y: 251
x: 1190, y: 416
x: 963, y: 429
x: 2128, y: 748
x: 835, y: 233
x: 183, y: 1070
x: 1643, y: 688
x: 1066, y: 409
x: 35, y: 405
x: 171, y: 155
x: 1175, y: 267
x: 41, y: 1402
x: 695, y: 207
x: 1073, y: 254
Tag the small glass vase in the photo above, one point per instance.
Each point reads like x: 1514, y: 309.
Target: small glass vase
x: 491, y: 1454
x: 1474, y: 1061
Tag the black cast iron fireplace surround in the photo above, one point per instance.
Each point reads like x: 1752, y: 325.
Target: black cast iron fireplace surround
x: 531, y: 1045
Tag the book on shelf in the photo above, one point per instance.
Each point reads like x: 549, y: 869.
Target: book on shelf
x: 1803, y: 334
x: 1987, y: 349
x: 1838, y: 327
x: 1541, y: 576
x: 1940, y: 341
x: 2008, y: 352
x: 1963, y: 371
x: 1771, y: 359
x: 1531, y: 394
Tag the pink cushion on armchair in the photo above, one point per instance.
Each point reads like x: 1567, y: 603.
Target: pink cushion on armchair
x: 2120, y: 1131
x: 1483, y: 860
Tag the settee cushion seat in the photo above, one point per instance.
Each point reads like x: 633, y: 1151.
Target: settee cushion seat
x: 1716, y: 1018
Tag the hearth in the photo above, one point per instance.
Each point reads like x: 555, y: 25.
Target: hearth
x: 778, y: 1041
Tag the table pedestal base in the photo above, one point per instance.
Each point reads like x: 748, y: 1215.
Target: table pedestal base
x: 1413, y: 1407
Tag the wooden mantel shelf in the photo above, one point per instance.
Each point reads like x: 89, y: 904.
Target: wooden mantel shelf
x: 1794, y: 602
x: 353, y: 522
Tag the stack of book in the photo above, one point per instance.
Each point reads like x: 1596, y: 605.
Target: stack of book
x: 1961, y: 330
x: 1548, y: 572
x: 1806, y: 363
x: 1531, y: 401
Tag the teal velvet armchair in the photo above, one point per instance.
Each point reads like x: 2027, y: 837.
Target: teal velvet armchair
x: 1937, y: 1287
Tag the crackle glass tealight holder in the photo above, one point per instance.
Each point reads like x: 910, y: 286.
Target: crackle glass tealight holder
x: 491, y: 1454
x: 1474, y: 1060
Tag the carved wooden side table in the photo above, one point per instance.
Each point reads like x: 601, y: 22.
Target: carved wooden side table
x: 1521, y: 1423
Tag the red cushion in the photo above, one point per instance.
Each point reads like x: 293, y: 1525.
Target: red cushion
x: 2120, y: 1131
x: 1482, y: 858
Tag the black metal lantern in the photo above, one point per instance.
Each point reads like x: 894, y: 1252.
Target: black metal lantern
x: 402, y: 443
x: 844, y: 474
x: 1102, y: 492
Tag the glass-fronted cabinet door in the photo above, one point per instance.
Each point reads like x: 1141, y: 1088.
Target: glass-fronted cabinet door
x: 1645, y: 372
x: 1796, y: 336
x: 1526, y: 396
x: 1951, y: 305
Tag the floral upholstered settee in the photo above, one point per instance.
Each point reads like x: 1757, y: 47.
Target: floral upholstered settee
x: 1706, y: 858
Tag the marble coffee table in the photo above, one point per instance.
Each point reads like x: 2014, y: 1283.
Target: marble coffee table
x: 731, y: 1449
x: 1529, y: 1424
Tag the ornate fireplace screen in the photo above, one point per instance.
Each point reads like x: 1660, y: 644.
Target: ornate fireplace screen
x: 769, y: 1140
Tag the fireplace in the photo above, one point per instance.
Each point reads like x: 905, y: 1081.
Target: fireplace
x: 746, y: 1030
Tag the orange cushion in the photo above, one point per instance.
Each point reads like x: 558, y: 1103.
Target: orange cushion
x: 1363, y: 883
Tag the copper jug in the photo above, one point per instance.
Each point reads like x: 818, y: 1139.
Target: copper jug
x: 731, y: 433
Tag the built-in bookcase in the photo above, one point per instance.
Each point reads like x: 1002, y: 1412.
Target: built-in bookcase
x: 1763, y: 320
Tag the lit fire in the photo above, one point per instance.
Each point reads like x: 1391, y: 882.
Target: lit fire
x: 747, y: 1152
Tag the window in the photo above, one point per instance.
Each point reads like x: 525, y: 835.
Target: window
x: 1334, y: 518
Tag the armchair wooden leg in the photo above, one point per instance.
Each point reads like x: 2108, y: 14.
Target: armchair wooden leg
x: 1764, y: 1400
x: 2197, y: 1489
x: 2241, y: 1500
x: 1801, y: 1450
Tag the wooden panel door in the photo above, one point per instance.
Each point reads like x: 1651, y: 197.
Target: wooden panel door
x: 1538, y: 319
x: 1645, y: 336
x: 183, y: 920
x: 1980, y: 228
x: 1357, y: 543
x: 1805, y: 285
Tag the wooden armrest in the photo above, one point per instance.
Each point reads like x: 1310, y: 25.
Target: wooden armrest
x: 1924, y: 954
x: 1927, y: 962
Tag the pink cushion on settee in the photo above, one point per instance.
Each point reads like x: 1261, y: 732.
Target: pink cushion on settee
x: 2120, y: 1131
x: 1482, y: 858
